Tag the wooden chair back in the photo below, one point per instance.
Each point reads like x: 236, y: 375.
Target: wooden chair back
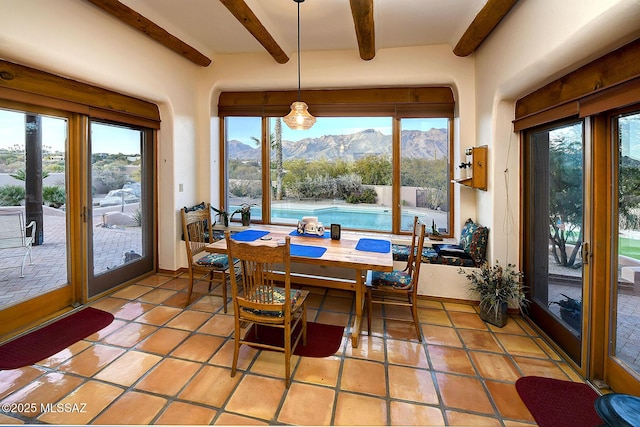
x: 412, y: 248
x: 196, y: 229
x: 265, y: 272
x: 415, y: 261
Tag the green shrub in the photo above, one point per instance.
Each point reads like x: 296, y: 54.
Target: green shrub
x: 365, y: 195
x: 54, y: 196
x: 137, y: 217
x: 245, y: 188
x: 11, y: 195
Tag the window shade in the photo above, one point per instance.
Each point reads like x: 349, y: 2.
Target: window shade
x: 395, y: 102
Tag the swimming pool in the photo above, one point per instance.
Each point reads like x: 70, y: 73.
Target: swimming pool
x: 367, y: 218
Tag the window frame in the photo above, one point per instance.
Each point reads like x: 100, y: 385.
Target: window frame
x: 397, y: 103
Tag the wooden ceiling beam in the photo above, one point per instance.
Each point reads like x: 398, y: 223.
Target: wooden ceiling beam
x: 248, y: 19
x: 362, y: 11
x: 157, y: 33
x: 486, y: 20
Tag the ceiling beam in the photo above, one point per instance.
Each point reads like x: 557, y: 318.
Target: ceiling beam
x: 248, y: 19
x: 486, y: 20
x: 159, y: 34
x: 362, y: 11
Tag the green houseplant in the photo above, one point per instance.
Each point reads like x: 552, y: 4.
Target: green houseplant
x: 496, y: 286
x: 244, y: 210
x: 570, y: 311
x: 245, y: 213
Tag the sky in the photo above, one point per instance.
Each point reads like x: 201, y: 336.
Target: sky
x: 105, y: 138
x: 243, y: 128
x: 113, y: 139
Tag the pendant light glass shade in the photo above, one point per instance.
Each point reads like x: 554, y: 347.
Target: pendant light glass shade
x: 299, y: 117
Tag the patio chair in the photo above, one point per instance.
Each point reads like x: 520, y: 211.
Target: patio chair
x: 197, y: 233
x: 258, y: 302
x: 398, y: 287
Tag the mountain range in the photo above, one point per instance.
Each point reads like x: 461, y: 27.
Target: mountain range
x: 432, y: 144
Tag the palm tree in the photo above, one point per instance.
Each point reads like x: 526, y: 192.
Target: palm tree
x: 21, y: 175
x: 277, y: 145
x: 275, y: 142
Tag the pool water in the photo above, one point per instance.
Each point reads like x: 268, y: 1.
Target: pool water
x: 378, y: 219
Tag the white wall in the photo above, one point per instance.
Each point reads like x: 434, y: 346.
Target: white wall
x: 415, y: 66
x: 77, y: 40
x: 538, y: 41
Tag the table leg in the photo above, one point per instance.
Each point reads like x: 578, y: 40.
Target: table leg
x: 357, y: 325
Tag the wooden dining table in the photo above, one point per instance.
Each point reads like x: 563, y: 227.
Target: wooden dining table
x: 308, y: 251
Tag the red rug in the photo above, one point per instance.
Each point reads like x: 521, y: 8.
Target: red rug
x: 49, y: 340
x: 556, y: 403
x: 322, y: 340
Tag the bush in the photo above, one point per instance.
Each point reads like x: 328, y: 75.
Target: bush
x: 366, y: 195
x: 11, y: 195
x: 137, y: 217
x: 347, y: 185
x: 54, y: 196
x: 245, y: 188
x: 318, y: 187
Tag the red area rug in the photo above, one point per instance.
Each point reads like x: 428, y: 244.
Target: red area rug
x: 322, y: 340
x: 556, y: 403
x: 49, y: 340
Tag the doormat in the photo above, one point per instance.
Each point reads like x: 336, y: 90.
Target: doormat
x: 559, y: 403
x: 49, y: 340
x: 322, y: 340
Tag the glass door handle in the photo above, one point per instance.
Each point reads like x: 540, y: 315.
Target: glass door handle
x: 585, y: 253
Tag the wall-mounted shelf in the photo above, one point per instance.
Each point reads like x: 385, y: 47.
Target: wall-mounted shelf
x: 477, y: 156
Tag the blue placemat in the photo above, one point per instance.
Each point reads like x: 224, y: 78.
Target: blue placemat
x: 326, y: 235
x: 307, y: 251
x: 374, y: 245
x: 248, y: 235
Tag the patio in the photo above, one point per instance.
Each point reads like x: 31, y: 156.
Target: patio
x: 49, y: 268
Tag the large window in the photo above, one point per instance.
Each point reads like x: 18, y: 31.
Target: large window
x: 372, y: 171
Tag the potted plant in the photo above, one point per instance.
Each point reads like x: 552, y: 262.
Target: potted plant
x: 223, y: 215
x: 244, y: 210
x: 570, y: 311
x: 245, y: 213
x: 496, y: 286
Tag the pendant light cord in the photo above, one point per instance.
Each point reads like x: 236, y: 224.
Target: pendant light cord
x: 298, y: 48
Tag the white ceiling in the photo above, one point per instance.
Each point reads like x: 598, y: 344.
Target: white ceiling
x: 326, y: 25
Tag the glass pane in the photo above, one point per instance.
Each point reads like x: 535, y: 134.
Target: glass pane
x: 424, y: 172
x: 558, y: 207
x: 244, y: 164
x: 32, y: 188
x: 338, y: 171
x: 116, y: 193
x: 627, y: 322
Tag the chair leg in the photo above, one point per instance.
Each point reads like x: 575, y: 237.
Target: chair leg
x: 224, y: 291
x: 211, y: 277
x: 236, y: 345
x: 304, y: 324
x: 190, y: 289
x: 287, y: 355
x: 368, y: 297
x: 416, y: 321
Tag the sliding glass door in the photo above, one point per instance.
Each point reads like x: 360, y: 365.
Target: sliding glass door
x: 34, y: 184
x: 555, y: 233
x: 120, y: 209
x: 622, y: 360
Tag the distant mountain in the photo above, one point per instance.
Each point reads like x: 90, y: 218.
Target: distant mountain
x: 432, y: 144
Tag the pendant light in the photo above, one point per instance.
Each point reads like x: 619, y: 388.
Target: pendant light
x: 299, y: 117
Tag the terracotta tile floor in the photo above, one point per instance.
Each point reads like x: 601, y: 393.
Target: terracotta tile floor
x: 161, y: 364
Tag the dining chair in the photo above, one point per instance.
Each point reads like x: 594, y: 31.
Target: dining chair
x: 258, y: 302
x: 197, y: 233
x: 398, y: 287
